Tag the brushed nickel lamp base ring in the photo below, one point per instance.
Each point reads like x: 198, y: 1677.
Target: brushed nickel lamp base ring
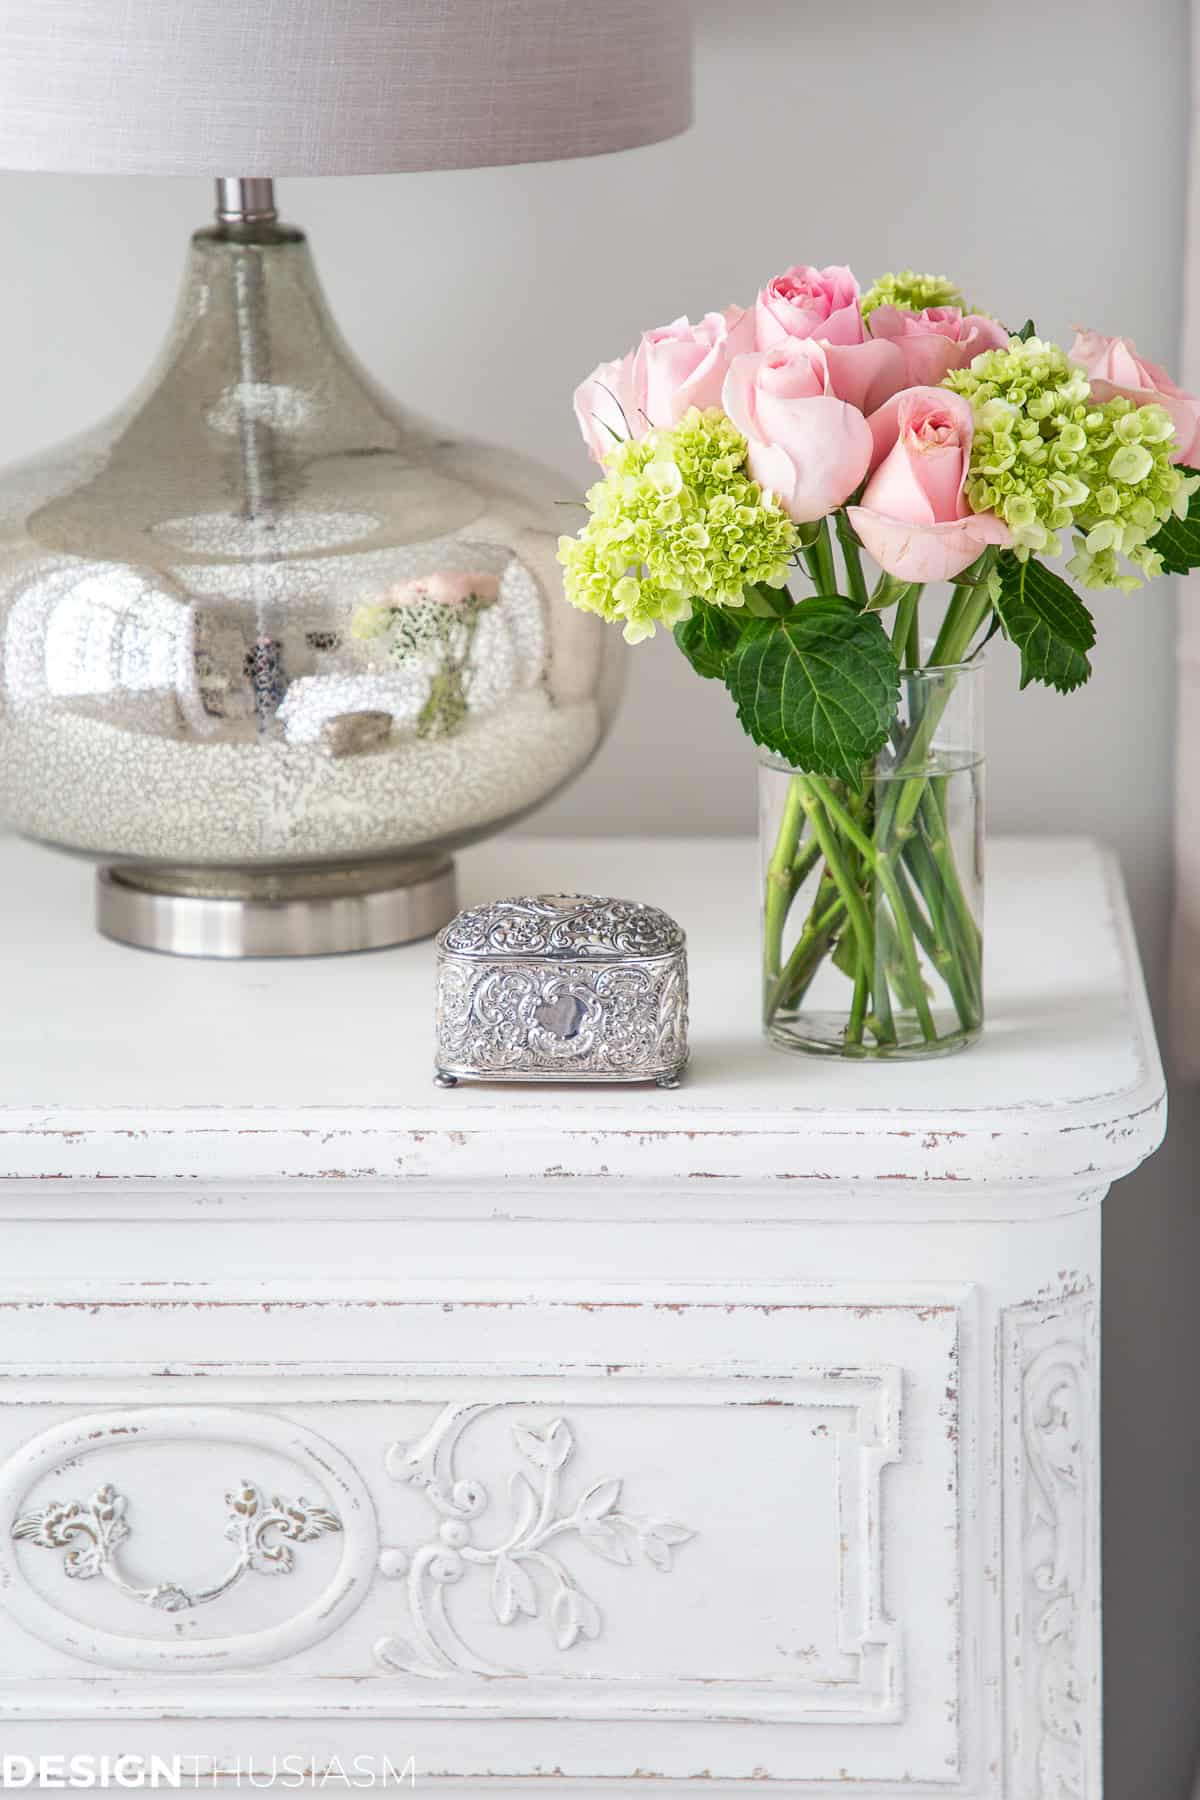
x: 297, y: 913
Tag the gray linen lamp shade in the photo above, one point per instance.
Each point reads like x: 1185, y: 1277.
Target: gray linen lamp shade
x: 334, y: 87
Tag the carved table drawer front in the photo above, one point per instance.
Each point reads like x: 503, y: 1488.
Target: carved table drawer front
x: 728, y: 1505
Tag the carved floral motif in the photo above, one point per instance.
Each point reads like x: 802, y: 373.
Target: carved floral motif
x: 91, y: 1533
x: 1051, y: 1545
x: 1053, y: 1415
x: 527, y: 1579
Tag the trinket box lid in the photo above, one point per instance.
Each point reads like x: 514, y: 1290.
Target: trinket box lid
x: 562, y: 928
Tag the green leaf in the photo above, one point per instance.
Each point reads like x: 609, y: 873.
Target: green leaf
x: 709, y: 636
x: 818, y: 687
x: 1028, y: 330
x: 888, y: 590
x: 767, y: 602
x: 1178, y: 541
x: 1048, y: 623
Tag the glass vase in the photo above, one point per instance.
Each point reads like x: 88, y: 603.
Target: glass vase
x: 872, y: 896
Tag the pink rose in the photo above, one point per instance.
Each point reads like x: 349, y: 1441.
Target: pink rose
x: 914, y: 518
x: 446, y: 587
x: 865, y: 367
x: 865, y: 374
x: 675, y: 367
x: 605, y: 407
x: 682, y: 365
x: 805, y: 302
x: 807, y: 447
x: 933, y: 342
x: 1115, y: 367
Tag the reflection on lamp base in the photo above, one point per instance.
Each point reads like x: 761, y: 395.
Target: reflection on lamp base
x: 318, y: 912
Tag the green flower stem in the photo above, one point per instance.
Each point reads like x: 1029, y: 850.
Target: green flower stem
x: 958, y: 933
x: 956, y: 963
x: 912, y: 647
x: 947, y: 956
x: 933, y: 824
x: 858, y: 1007
x: 968, y: 608
x: 904, y: 794
x: 808, y: 557
x: 881, y: 1018
x: 881, y: 866
x: 973, y: 616
x: 780, y: 890
x: 948, y: 936
x: 917, y: 798
x: 904, y: 629
x: 812, y: 795
x: 969, y: 605
x: 792, y: 862
x: 855, y: 578
x: 891, y: 852
x: 827, y: 917
x: 874, y: 979
x: 937, y: 873
x: 948, y: 630
x: 809, y: 951
x: 822, y: 553
x: 806, y: 861
x: 924, y: 932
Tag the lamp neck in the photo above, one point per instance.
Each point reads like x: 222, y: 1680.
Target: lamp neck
x: 245, y: 200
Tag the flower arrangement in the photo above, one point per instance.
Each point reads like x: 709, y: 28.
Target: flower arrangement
x: 433, y: 615
x: 745, y: 455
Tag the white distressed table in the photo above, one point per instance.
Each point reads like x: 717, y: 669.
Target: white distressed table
x: 741, y: 1434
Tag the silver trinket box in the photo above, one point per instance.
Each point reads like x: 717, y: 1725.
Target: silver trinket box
x: 561, y: 987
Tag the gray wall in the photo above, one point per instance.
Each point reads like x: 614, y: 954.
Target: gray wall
x: 1037, y: 152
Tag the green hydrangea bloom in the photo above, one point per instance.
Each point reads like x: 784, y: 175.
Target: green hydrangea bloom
x: 676, y: 517
x: 911, y: 292
x: 1143, y: 489
x: 1031, y: 456
x: 371, y: 621
x: 1047, y: 457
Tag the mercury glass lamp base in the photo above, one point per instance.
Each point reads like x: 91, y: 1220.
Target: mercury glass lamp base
x: 193, y: 912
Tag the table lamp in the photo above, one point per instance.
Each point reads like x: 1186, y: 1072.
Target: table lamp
x: 271, y: 647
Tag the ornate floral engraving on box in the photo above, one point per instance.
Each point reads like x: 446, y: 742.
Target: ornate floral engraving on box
x: 91, y: 1532
x: 562, y: 987
x: 562, y: 925
x: 527, y: 1578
